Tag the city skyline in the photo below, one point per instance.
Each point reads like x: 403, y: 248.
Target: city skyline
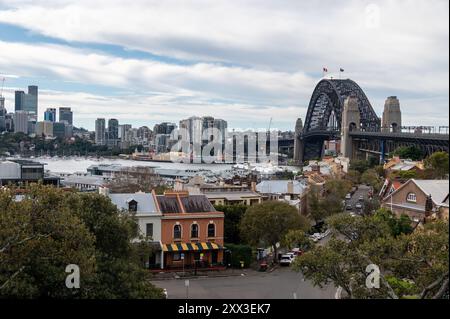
x: 243, y: 75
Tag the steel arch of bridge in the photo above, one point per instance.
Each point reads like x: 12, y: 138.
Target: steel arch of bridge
x: 328, y: 98
x: 324, y: 116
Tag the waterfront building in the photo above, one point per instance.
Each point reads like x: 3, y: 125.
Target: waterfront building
x: 19, y: 172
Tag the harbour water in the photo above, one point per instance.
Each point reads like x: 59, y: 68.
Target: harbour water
x: 72, y: 165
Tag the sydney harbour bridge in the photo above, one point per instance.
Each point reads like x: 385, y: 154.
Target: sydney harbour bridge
x: 340, y: 110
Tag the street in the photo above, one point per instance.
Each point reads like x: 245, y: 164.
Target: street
x: 280, y: 284
x: 363, y: 191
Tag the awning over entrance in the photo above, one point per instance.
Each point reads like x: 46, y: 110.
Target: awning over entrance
x: 191, y: 247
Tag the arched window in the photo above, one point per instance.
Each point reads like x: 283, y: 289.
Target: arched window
x: 411, y: 197
x: 211, y: 230
x: 177, y: 232
x: 194, y: 231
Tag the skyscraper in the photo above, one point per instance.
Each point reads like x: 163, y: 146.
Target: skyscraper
x: 27, y: 101
x: 50, y: 115
x: 66, y: 114
x: 21, y: 122
x: 100, y: 132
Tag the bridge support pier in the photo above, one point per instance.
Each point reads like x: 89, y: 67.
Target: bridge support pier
x: 351, y: 120
x: 299, y: 150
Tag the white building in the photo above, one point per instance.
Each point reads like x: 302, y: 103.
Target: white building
x: 21, y: 122
x: 144, y: 208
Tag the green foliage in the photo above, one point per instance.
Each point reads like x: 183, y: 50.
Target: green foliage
x: 240, y: 253
x: 398, y: 225
x: 265, y: 224
x: 359, y: 165
x: 330, y: 203
x: 353, y: 176
x: 419, y: 258
x: 233, y: 215
x: 401, y: 287
x: 51, y: 228
x: 405, y: 174
x: 371, y: 178
x: 439, y: 164
x: 409, y: 152
x: 297, y: 239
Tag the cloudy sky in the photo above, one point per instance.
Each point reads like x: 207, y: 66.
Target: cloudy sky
x: 245, y: 61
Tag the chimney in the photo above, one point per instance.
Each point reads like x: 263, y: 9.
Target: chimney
x: 103, y: 191
x: 290, y: 187
x: 428, y: 206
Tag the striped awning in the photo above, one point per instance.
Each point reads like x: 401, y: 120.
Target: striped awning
x: 191, y: 247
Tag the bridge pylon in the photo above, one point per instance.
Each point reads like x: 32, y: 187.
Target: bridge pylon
x: 351, y: 122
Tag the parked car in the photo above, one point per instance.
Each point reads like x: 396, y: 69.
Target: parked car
x: 297, y: 251
x: 286, y: 260
x: 348, y: 196
x: 358, y: 206
x: 361, y: 198
x: 348, y: 207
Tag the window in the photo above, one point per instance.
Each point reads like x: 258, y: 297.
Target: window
x: 211, y: 230
x: 194, y: 231
x: 149, y: 230
x: 176, y: 256
x: 177, y: 232
x: 132, y: 206
x: 411, y: 197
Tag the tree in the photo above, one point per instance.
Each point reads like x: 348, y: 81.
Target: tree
x: 410, y: 263
x: 371, y: 177
x: 353, y: 176
x: 405, y: 174
x: 439, y: 163
x: 315, y: 207
x: 370, y: 206
x: 49, y: 228
x: 297, y: 239
x: 338, y: 187
x: 398, y: 225
x: 267, y: 223
x: 233, y: 215
x: 135, y: 179
x: 409, y: 152
x: 359, y: 165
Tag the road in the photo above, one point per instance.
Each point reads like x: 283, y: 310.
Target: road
x: 362, y: 190
x: 280, y: 284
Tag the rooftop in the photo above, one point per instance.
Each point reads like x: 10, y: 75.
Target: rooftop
x: 145, y: 202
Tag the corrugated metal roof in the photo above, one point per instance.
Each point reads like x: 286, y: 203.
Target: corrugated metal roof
x: 145, y: 202
x: 438, y: 189
x: 279, y: 187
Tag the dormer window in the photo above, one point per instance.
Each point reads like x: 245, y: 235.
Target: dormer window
x: 411, y: 197
x: 132, y: 206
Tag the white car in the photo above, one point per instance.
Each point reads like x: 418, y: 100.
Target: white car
x: 358, y: 206
x: 286, y: 259
x: 348, y: 196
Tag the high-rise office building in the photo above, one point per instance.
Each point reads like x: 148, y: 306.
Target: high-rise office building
x: 66, y: 114
x: 44, y: 128
x: 123, y: 129
x: 50, y: 115
x: 100, y: 132
x: 113, y: 129
x: 27, y: 101
x: 21, y: 122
